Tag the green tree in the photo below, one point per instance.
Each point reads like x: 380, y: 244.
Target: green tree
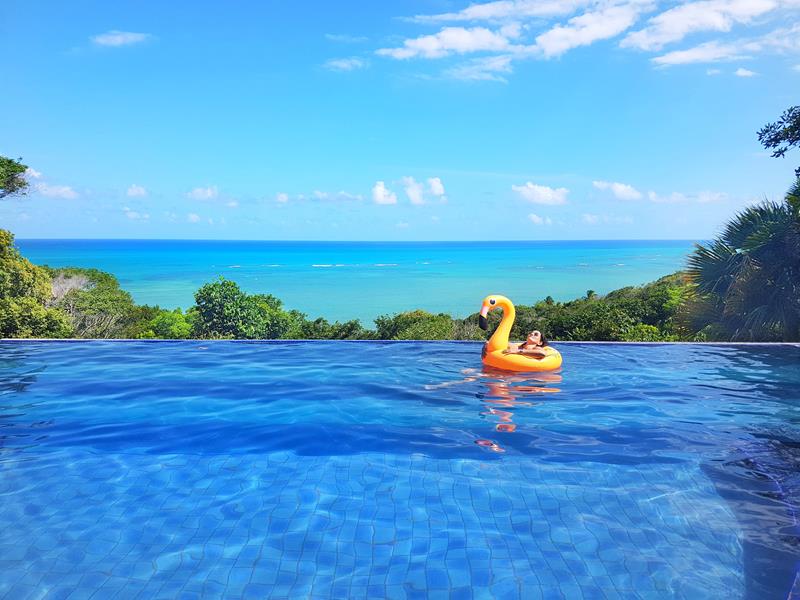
x: 223, y: 310
x: 748, y: 279
x: 414, y: 325
x: 96, y: 305
x: 12, y: 177
x: 25, y: 292
x: 783, y: 134
x: 321, y: 329
x: 172, y: 325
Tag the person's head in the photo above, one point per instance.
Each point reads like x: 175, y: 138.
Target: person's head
x: 536, y: 338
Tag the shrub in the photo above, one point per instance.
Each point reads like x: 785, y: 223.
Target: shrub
x: 95, y: 304
x: 172, y: 325
x: 223, y: 310
x: 320, y: 329
x: 414, y: 325
x: 25, y: 318
x: 24, y: 291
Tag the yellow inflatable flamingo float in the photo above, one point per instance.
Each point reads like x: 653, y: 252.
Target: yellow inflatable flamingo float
x: 493, y: 351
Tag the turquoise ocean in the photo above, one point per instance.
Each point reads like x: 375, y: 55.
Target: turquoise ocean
x: 362, y: 280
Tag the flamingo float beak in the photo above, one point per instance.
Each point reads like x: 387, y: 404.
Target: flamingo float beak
x: 483, y: 323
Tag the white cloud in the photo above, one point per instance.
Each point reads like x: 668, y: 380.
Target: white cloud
x: 344, y: 38
x: 704, y: 53
x: 402, y: 225
x: 136, y: 191
x: 414, y: 190
x: 382, y: 195
x: 673, y: 198
x: 541, y: 194
x: 713, y: 72
x: 507, y: 9
x: 623, y: 191
x: 680, y: 198
x: 352, y: 63
x: 319, y: 195
x: 32, y: 173
x: 452, y: 40
x: 705, y: 15
x: 135, y: 215
x: 591, y: 219
x: 488, y: 68
x: 740, y: 72
x: 342, y: 195
x: 796, y: 68
x: 436, y: 187
x: 705, y: 197
x: 781, y: 41
x: 203, y: 193
x: 537, y: 220
x: 786, y: 39
x: 56, y: 191
x: 119, y: 38
x: 193, y: 218
x: 499, y: 29
x: 590, y: 27
x: 232, y: 203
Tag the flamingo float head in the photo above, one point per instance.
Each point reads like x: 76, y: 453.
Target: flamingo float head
x: 489, y: 304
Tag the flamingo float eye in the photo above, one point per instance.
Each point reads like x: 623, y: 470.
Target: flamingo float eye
x: 492, y: 301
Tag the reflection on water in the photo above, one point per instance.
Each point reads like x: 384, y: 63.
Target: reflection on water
x: 508, y: 392
x: 502, y: 393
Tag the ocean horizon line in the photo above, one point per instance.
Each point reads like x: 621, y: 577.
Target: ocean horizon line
x: 297, y: 241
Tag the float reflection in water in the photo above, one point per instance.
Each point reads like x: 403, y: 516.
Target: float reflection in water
x: 504, y: 393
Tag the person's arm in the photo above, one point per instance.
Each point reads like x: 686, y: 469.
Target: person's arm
x: 512, y: 349
x: 535, y: 352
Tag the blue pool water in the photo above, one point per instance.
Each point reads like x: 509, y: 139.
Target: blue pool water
x: 399, y: 470
x: 362, y: 280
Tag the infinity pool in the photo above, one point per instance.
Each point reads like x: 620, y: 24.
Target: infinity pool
x: 399, y: 470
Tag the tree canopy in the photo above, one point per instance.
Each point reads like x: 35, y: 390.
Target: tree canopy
x: 12, y: 177
x: 783, y: 134
x: 25, y: 293
x: 748, y: 279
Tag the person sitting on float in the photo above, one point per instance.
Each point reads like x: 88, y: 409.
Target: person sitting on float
x: 534, y: 345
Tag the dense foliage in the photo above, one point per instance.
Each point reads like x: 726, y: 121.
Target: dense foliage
x: 25, y: 291
x: 644, y: 313
x: 12, y: 177
x: 414, y: 325
x: 783, y: 134
x: 748, y: 279
x: 223, y: 310
x: 96, y: 306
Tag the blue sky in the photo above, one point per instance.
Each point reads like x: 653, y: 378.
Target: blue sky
x: 418, y: 120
